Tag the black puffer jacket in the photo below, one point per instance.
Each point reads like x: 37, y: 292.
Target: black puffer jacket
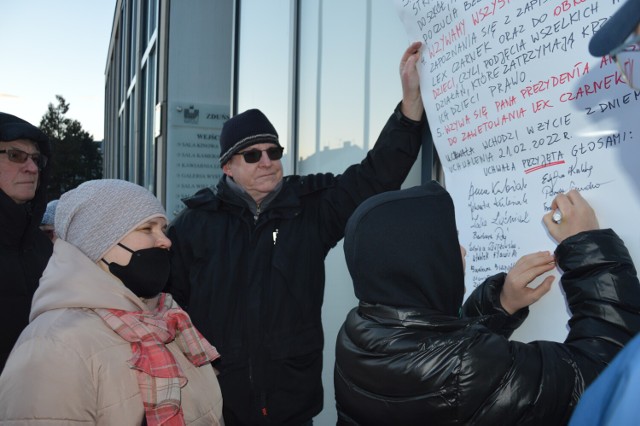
x: 255, y: 290
x: 24, y: 248
x: 403, y: 357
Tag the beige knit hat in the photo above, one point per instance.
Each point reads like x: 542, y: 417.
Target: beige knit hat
x: 97, y: 214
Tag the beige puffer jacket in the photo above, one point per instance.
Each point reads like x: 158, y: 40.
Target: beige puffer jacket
x: 69, y: 367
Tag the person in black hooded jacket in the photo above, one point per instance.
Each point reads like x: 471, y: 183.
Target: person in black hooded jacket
x: 24, y: 248
x: 409, y: 354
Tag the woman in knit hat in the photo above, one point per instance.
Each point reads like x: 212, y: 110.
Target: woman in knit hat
x: 104, y: 345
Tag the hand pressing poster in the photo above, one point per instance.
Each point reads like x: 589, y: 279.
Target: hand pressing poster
x: 520, y: 112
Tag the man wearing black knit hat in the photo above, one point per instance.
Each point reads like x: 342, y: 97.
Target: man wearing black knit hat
x: 24, y: 248
x: 248, y: 257
x: 613, y: 398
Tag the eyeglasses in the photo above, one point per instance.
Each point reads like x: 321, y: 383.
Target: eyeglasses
x: 19, y: 156
x: 625, y: 56
x: 254, y: 155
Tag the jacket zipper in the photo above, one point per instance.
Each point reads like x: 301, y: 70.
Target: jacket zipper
x: 255, y: 217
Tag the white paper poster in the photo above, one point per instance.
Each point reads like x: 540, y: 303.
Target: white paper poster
x: 520, y: 112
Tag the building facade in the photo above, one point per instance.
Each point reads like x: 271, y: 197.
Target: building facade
x: 325, y: 72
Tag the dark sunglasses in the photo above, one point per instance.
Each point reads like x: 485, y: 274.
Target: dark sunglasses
x: 254, y: 155
x: 19, y: 156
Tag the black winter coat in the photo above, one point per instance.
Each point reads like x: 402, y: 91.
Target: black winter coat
x: 24, y: 250
x: 255, y: 289
x: 414, y: 366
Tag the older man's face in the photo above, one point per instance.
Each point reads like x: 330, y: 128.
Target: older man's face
x: 19, y: 180
x: 258, y: 179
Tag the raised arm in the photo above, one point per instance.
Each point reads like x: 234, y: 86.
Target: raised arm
x: 411, y: 106
x: 385, y: 166
x: 599, y: 280
x: 501, y: 300
x: 576, y: 216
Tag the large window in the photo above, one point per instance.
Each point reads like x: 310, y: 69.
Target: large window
x: 349, y: 81
x: 131, y: 94
x: 148, y: 88
x: 266, y: 65
x: 329, y: 97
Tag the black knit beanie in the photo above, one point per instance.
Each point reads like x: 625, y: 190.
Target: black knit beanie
x: 248, y: 128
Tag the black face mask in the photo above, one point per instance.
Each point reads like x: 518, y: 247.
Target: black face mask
x: 147, y: 272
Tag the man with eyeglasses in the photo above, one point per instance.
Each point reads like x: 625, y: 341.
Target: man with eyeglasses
x: 248, y: 257
x: 24, y: 248
x: 612, y: 399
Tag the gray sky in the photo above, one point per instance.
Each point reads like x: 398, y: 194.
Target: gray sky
x: 50, y: 48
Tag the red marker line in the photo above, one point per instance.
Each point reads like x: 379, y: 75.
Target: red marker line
x: 533, y: 169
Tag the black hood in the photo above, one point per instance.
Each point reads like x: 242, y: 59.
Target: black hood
x: 402, y: 250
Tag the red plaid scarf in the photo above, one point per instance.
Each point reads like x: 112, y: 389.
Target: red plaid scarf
x: 159, y: 375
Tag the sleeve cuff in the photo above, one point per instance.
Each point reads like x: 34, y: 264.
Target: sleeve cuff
x: 406, y: 121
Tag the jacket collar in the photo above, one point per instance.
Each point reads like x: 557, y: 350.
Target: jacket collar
x: 248, y: 199
x: 285, y: 202
x: 72, y: 280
